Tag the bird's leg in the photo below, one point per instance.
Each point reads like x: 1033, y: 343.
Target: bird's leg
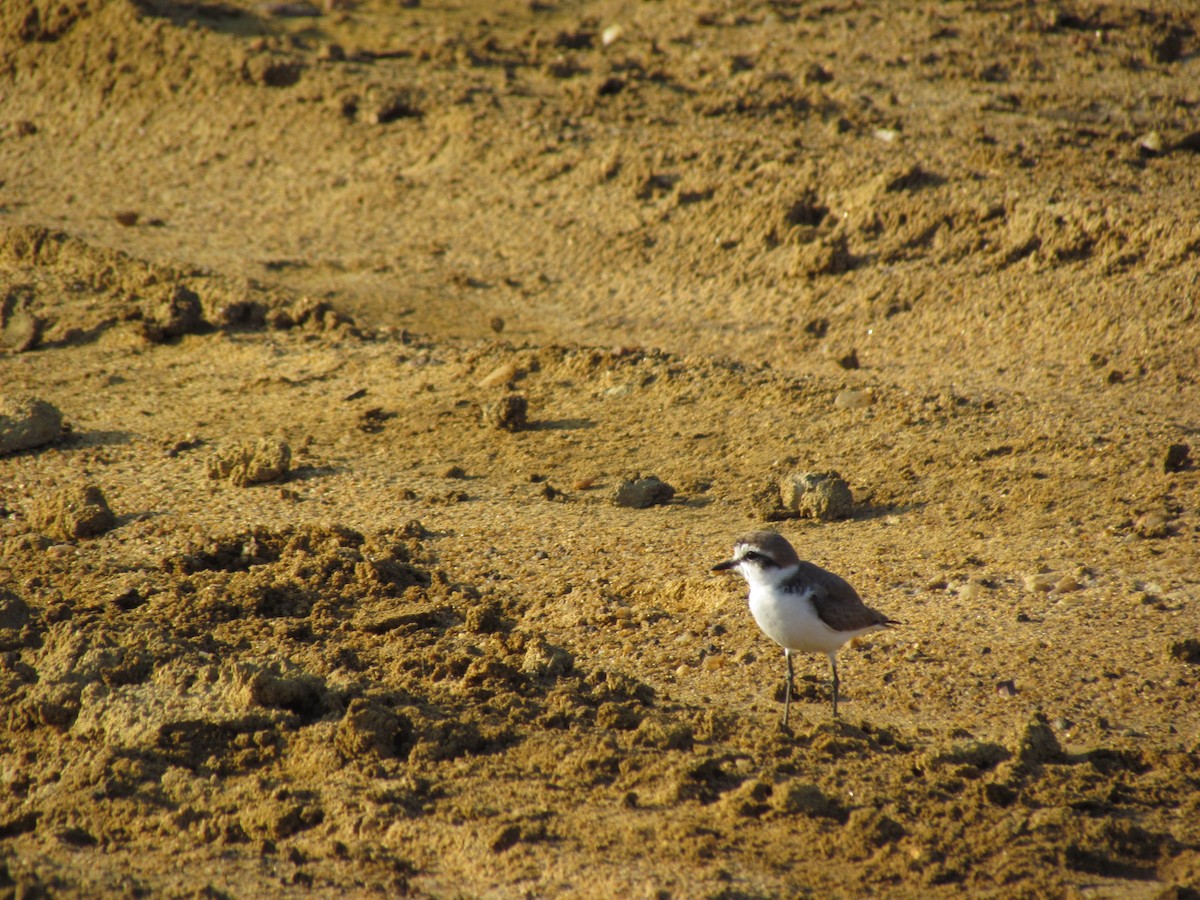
x: 787, y: 694
x: 833, y: 661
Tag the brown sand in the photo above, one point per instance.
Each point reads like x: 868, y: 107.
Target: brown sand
x: 360, y: 622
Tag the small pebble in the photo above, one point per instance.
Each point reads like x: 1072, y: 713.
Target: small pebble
x: 1006, y: 688
x: 332, y: 52
x: 505, y: 373
x: 1150, y: 144
x: 853, y: 399
x: 1042, y: 582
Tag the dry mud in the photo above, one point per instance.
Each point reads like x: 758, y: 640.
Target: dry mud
x: 358, y: 315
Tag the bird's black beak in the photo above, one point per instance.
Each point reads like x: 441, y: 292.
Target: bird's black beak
x: 723, y: 566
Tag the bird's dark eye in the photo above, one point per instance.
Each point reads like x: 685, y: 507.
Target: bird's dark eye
x: 753, y: 556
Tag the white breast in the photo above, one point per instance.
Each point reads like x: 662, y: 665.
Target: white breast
x: 791, y: 621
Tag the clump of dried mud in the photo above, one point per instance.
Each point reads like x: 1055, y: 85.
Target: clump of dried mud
x: 356, y: 320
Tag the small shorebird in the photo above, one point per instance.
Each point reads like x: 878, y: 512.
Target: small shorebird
x: 798, y: 605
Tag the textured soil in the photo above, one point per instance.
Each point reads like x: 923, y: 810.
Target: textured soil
x: 359, y: 315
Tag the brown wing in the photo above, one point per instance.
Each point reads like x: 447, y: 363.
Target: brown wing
x: 837, y: 603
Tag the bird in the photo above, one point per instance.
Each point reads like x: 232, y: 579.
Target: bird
x: 799, y: 605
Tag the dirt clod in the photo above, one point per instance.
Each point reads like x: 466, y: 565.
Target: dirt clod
x: 179, y: 313
x: 245, y: 464
x: 21, y: 328
x: 816, y: 495
x: 509, y: 413
x: 27, y: 422
x: 641, y: 493
x: 73, y: 513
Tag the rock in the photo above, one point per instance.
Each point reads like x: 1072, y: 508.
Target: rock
x: 852, y: 399
x: 73, y: 513
x: 1150, y: 144
x: 1187, y: 651
x: 817, y: 74
x: 27, y: 422
x: 505, y: 373
x: 179, y: 314
x: 611, y: 35
x: 245, y: 464
x: 1177, y: 458
x: 641, y: 493
x: 1152, y: 525
x: 509, y: 413
x: 20, y: 328
x: 332, y: 52
x: 972, y: 590
x: 1041, y: 582
x: 816, y: 495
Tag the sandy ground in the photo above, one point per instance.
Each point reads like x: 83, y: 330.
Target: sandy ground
x: 358, y: 315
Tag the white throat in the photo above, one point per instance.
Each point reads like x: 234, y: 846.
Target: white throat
x: 768, y: 579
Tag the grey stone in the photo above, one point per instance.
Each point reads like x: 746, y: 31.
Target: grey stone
x: 816, y: 495
x: 641, y: 493
x: 27, y: 422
